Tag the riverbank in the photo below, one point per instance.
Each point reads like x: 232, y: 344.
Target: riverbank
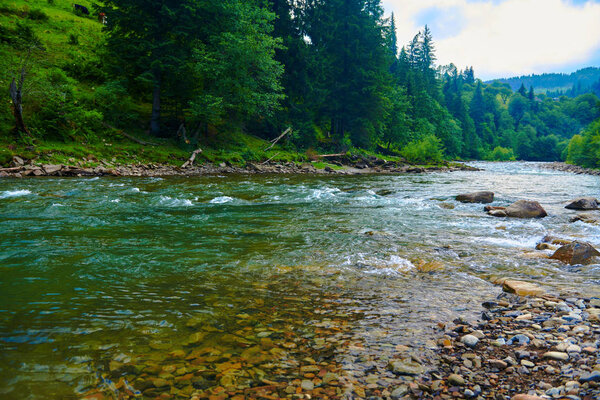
x: 522, y: 348
x: 561, y: 166
x: 372, y: 165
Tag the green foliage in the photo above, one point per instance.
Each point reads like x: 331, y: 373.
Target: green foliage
x: 502, y: 154
x: 73, y: 39
x: 113, y: 101
x: 238, y: 77
x: 584, y: 150
x: 37, y: 15
x: 426, y: 150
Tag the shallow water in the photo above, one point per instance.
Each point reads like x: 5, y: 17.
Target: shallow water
x: 103, y: 269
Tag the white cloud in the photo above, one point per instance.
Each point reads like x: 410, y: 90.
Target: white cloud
x: 505, y: 38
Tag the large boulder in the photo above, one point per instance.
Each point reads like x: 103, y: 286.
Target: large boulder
x: 525, y: 209
x: 583, y: 203
x: 576, y: 253
x: 476, y: 197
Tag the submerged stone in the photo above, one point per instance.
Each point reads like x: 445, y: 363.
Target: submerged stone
x: 476, y: 197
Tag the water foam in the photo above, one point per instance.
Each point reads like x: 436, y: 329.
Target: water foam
x: 221, y: 200
x: 14, y: 193
x: 169, y: 201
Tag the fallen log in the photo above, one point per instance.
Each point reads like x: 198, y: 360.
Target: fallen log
x: 190, y: 161
x: 274, y: 142
x: 330, y: 155
x: 12, y: 169
x: 276, y: 154
x: 128, y: 136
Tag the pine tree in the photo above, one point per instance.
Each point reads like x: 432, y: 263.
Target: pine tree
x: 348, y: 36
x: 148, y: 42
x: 531, y: 95
x: 477, y: 107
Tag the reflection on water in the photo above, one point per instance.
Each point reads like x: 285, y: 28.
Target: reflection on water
x: 240, y: 280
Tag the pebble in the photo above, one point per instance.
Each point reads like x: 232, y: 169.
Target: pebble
x: 469, y: 340
x: 456, y: 380
x: 593, y: 376
x: 556, y: 355
x: 307, y: 385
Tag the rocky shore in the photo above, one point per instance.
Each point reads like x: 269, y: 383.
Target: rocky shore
x: 522, y: 348
x: 560, y: 166
x: 345, y: 165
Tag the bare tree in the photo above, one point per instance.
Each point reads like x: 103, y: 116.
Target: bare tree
x: 16, y: 90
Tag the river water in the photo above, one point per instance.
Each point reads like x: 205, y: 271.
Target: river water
x: 270, y: 270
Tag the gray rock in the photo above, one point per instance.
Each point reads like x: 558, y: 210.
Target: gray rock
x: 583, y: 203
x: 593, y: 376
x: 526, y: 209
x: 469, y: 340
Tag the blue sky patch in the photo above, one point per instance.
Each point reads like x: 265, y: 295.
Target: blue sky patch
x: 443, y: 22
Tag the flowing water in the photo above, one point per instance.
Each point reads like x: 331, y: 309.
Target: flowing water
x: 96, y: 273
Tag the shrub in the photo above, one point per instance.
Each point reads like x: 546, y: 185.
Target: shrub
x: 502, y: 154
x: 85, y: 69
x: 427, y: 149
x: 37, y: 15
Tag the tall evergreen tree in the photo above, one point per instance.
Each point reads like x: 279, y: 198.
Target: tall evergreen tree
x: 148, y: 42
x: 348, y: 36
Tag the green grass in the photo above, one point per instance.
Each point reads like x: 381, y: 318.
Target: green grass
x: 323, y: 165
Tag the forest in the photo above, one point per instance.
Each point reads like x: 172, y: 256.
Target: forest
x: 203, y: 72
x: 579, y: 82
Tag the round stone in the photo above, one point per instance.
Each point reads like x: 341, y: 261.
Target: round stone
x: 469, y: 340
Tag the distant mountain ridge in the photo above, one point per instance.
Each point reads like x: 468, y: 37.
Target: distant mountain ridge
x: 585, y: 80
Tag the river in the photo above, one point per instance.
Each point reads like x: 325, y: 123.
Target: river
x: 266, y: 273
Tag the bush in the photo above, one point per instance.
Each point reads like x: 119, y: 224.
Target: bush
x: 84, y: 69
x: 37, y: 15
x: 427, y: 149
x: 20, y: 37
x: 5, y: 157
x: 502, y: 154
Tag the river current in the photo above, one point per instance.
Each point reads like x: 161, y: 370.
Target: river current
x: 342, y: 268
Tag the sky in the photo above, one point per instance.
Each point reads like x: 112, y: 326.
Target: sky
x: 504, y: 38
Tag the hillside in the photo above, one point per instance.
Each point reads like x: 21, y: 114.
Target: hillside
x: 586, y: 80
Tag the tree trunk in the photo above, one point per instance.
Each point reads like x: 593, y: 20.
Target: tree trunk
x: 155, y: 118
x: 16, y: 95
